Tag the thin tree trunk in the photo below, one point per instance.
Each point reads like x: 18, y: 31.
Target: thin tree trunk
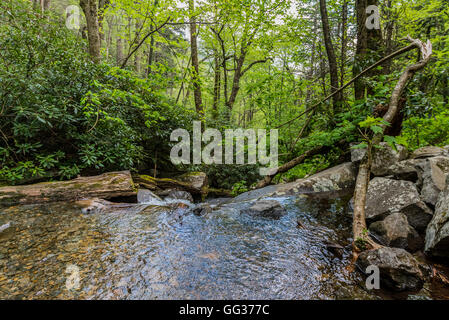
x: 195, y: 63
x: 333, y: 66
x: 119, y: 57
x: 362, y: 241
x: 90, y: 11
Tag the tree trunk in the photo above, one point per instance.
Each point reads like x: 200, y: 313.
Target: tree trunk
x: 362, y: 241
x: 368, y: 42
x: 90, y: 11
x: 119, y: 57
x: 217, y: 83
x: 333, y: 67
x: 195, y: 63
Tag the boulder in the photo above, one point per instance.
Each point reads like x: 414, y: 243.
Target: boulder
x: 383, y: 158
x: 409, y: 170
x: 386, y: 196
x: 341, y: 177
x: 433, y: 179
x: 399, y: 270
x: 147, y: 196
x: 267, y: 209
x: 437, y: 234
x: 394, y: 231
x: 196, y: 180
x: 180, y: 195
x: 428, y: 152
x: 106, y: 186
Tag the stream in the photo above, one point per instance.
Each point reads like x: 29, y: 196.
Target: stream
x: 145, y: 251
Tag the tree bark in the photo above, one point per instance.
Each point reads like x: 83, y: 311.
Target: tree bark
x: 195, y: 63
x: 362, y: 241
x: 90, y: 11
x: 333, y: 67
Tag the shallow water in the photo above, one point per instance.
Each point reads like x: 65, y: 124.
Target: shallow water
x: 150, y: 252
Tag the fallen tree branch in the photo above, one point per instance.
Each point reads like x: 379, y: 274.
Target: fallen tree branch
x: 362, y: 241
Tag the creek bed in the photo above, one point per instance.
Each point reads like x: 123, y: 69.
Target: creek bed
x: 154, y: 252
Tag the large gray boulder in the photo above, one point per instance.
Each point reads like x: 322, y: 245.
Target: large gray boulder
x: 399, y: 270
x: 437, y: 234
x: 394, y: 231
x: 179, y: 195
x: 384, y: 157
x: 267, y: 209
x: 433, y: 178
x: 386, y: 196
x: 409, y: 170
x: 338, y: 178
x: 428, y: 152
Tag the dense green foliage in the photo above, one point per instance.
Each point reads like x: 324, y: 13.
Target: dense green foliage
x: 62, y: 115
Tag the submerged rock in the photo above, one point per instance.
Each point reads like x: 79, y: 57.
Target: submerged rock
x: 202, y: 209
x: 394, y: 231
x: 266, y: 208
x: 88, y: 206
x: 386, y: 196
x: 437, y: 234
x: 399, y: 270
x: 383, y: 157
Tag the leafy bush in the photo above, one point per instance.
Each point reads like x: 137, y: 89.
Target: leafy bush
x: 61, y: 115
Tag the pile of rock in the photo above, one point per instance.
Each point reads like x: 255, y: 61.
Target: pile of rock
x: 407, y: 209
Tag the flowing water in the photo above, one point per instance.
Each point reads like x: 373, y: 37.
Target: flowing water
x: 139, y: 251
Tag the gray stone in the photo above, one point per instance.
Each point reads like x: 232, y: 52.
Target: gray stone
x: 427, y: 152
x: 180, y: 195
x: 266, y: 208
x: 399, y: 270
x: 437, y: 234
x: 409, y: 170
x: 386, y: 196
x: 147, y: 196
x: 434, y: 178
x: 202, y: 209
x: 394, y: 231
x: 383, y: 158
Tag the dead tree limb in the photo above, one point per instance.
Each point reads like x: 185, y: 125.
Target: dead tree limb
x: 362, y: 241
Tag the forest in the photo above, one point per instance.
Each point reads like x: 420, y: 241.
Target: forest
x: 90, y: 87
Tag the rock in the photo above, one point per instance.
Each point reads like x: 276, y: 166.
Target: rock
x: 383, y: 157
x: 6, y: 227
x: 434, y: 178
x: 399, y: 270
x: 394, y: 231
x: 427, y: 152
x: 437, y: 234
x: 147, y: 196
x: 338, y: 178
x: 196, y: 180
x: 180, y: 195
x: 88, y: 206
x: 386, y: 196
x: 267, y: 209
x: 202, y: 209
x: 194, y: 183
x: 409, y: 170
x: 106, y: 186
